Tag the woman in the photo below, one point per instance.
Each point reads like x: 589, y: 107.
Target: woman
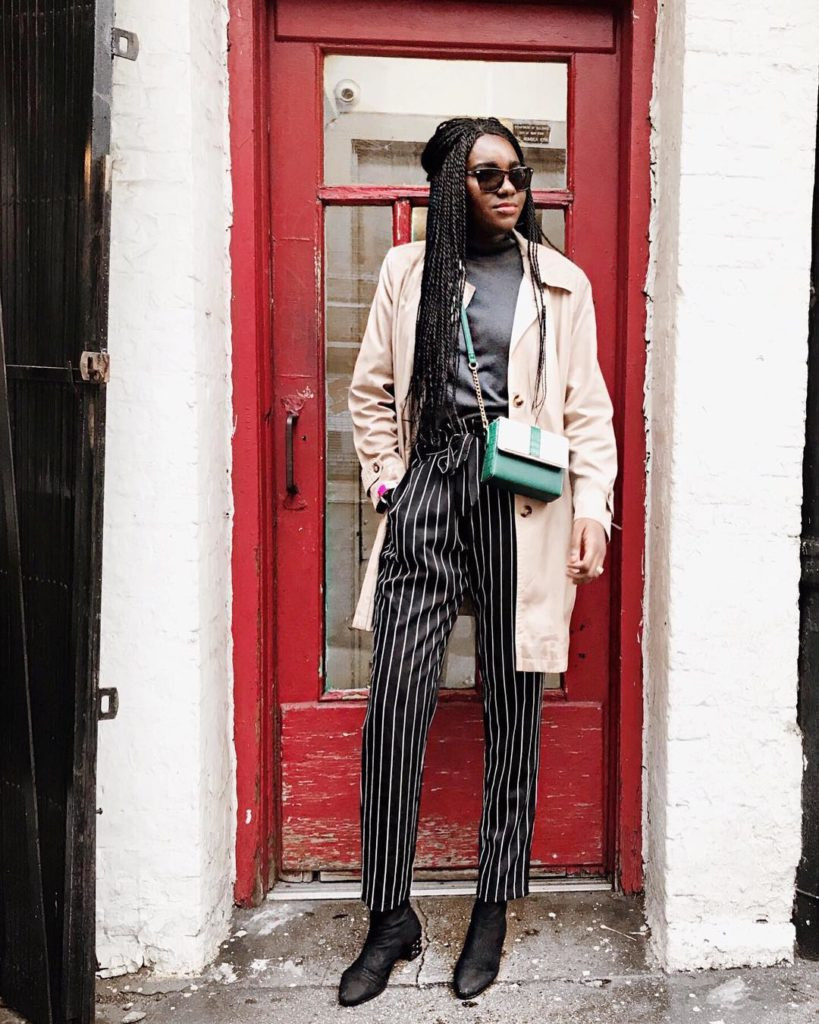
x: 419, y: 436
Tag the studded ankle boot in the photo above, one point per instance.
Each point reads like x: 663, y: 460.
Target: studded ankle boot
x: 393, y: 935
x: 479, y: 961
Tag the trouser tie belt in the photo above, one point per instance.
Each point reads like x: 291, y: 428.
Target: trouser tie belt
x: 451, y: 451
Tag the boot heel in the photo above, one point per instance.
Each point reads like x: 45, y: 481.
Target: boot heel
x: 413, y: 951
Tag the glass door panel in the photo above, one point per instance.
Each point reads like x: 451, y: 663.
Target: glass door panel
x: 356, y: 239
x: 380, y: 111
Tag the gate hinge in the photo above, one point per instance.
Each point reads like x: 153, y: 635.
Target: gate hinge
x: 107, y: 703
x: 124, y: 44
x: 95, y: 367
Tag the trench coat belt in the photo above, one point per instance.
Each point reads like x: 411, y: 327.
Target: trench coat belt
x: 463, y: 447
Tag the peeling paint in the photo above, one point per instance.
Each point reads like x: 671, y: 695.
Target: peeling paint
x: 268, y: 918
x: 223, y: 974
x: 259, y: 966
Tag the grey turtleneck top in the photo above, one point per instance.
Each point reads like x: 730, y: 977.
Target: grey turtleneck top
x: 496, y: 275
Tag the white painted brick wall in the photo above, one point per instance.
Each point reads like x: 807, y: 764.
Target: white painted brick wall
x: 166, y: 776
x: 734, y: 117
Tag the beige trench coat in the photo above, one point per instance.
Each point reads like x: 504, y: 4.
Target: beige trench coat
x: 577, y: 404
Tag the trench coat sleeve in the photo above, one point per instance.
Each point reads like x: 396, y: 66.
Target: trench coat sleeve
x: 371, y: 397
x: 587, y: 419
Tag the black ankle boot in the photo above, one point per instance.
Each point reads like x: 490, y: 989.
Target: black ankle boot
x: 393, y: 935
x: 479, y: 961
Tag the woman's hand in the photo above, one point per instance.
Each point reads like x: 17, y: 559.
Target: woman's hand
x: 587, y: 551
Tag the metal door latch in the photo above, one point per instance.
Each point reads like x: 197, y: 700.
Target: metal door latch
x: 124, y: 44
x: 107, y: 703
x: 95, y: 367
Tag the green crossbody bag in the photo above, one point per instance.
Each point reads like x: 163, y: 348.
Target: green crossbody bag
x: 519, y: 457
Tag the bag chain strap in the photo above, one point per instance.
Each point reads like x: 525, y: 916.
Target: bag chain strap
x: 473, y: 366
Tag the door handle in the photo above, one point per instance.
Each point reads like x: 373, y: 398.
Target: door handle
x: 292, y: 486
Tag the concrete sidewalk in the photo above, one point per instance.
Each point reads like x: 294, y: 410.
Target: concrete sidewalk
x: 573, y: 958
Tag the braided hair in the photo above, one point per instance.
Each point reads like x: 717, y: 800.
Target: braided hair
x: 432, y: 387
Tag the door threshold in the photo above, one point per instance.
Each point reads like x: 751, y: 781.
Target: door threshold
x: 351, y: 890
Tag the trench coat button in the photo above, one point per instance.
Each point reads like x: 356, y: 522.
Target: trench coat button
x: 376, y: 467
x: 517, y: 401
x: 526, y: 511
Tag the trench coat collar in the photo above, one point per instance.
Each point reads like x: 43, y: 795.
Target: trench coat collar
x: 555, y: 271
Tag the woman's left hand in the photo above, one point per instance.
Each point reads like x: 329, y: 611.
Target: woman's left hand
x: 587, y: 551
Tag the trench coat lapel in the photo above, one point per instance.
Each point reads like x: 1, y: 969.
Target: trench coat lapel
x: 525, y: 309
x: 554, y: 270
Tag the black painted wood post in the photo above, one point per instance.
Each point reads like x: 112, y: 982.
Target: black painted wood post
x: 806, y: 907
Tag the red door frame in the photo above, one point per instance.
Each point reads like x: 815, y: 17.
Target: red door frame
x: 254, y: 598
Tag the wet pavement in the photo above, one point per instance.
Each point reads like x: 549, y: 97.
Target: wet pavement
x: 573, y: 958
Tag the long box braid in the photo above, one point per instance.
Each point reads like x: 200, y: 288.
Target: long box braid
x: 432, y: 387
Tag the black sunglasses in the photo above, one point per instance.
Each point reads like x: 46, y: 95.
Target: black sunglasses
x: 490, y: 179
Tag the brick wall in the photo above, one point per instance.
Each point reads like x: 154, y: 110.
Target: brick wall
x: 166, y: 780
x: 733, y: 133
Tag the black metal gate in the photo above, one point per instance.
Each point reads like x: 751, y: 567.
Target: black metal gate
x: 55, y: 87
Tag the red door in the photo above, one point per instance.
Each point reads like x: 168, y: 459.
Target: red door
x: 355, y: 91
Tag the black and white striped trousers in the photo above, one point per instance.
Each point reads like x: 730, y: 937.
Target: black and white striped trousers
x: 448, y: 534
